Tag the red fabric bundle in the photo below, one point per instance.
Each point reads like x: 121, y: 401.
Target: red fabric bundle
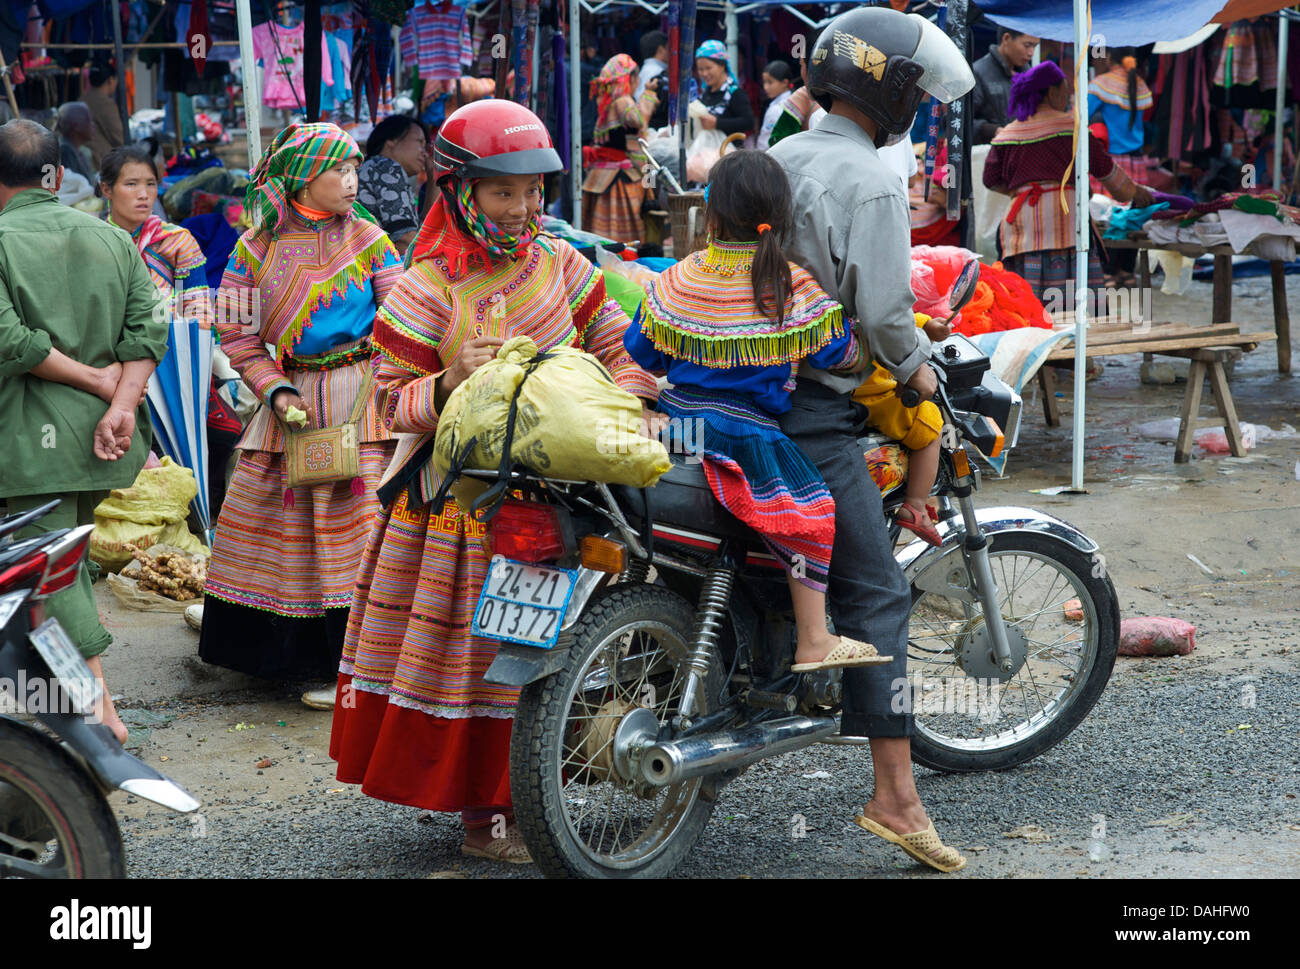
x: 1002, y: 300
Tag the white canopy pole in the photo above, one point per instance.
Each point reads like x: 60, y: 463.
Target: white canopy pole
x: 1081, y: 240
x: 252, y: 90
x: 1283, y: 27
x: 732, y: 23
x: 575, y: 111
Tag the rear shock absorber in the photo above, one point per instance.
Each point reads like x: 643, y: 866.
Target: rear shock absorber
x: 636, y: 573
x: 709, y: 614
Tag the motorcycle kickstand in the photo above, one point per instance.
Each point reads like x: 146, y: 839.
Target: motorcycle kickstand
x: 975, y: 550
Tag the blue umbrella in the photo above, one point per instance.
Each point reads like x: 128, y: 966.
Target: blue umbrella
x: 178, y: 405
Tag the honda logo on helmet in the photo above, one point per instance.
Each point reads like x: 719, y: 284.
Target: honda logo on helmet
x: 522, y: 127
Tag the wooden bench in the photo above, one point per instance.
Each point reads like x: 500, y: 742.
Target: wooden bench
x: 1221, y: 305
x: 1207, y: 347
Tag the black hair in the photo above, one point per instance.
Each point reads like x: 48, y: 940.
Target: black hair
x: 651, y: 42
x: 392, y: 128
x: 100, y: 72
x: 778, y: 70
x: 1015, y: 34
x: 747, y: 189
x: 110, y: 169
x: 1117, y: 55
x: 29, y: 152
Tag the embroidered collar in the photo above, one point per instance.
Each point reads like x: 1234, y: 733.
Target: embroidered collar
x: 728, y: 258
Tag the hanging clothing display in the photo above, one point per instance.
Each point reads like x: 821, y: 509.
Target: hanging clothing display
x: 435, y: 40
x: 1182, y: 116
x: 339, y: 91
x: 280, y: 50
x: 1248, y: 56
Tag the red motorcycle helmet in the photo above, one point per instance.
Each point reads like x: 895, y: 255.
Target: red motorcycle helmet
x: 494, y: 137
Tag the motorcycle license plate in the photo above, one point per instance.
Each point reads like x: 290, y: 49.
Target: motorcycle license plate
x: 67, y: 665
x: 523, y: 603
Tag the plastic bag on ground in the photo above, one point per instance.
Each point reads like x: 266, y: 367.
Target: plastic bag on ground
x: 152, y: 511
x: 1214, y: 440
x: 1156, y: 636
x: 572, y: 422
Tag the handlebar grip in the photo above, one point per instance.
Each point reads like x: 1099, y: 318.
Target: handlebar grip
x: 908, y: 395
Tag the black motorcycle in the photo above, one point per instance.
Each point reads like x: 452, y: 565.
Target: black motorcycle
x: 651, y: 635
x: 55, y: 819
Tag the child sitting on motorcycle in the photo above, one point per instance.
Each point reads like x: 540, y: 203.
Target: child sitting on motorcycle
x: 917, y: 429
x: 730, y: 325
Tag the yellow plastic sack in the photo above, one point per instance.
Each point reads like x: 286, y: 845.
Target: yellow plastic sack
x: 152, y: 511
x: 573, y: 421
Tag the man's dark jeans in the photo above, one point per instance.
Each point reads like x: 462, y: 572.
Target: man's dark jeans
x: 868, y: 595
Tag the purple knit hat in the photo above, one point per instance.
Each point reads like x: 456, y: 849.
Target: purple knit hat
x: 1028, y: 88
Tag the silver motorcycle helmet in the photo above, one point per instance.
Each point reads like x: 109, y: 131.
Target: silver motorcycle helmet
x: 884, y: 63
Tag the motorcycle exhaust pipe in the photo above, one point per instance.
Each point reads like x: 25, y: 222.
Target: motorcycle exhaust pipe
x: 711, y: 753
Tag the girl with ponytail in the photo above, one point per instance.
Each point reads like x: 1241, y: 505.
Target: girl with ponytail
x: 730, y: 325
x: 1117, y: 99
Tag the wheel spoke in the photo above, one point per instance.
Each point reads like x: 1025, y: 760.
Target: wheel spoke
x: 1056, y: 655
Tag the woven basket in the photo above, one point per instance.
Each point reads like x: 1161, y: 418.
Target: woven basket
x: 679, y: 210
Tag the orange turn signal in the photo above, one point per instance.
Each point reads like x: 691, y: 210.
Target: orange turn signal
x: 603, y: 554
x: 961, y: 463
x: 997, y: 446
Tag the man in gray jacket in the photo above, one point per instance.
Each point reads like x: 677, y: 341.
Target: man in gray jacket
x: 852, y: 231
x: 993, y: 73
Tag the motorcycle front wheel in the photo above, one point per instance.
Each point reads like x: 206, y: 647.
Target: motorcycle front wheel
x: 583, y: 813
x: 1062, y: 619
x: 54, y: 822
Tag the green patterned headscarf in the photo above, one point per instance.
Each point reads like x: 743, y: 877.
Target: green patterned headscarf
x: 297, y: 156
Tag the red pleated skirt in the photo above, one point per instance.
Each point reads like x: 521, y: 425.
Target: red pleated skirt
x: 436, y: 763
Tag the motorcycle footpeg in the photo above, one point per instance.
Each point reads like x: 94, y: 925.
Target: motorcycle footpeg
x: 763, y: 700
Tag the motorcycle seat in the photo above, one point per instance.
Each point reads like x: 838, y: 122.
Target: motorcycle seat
x: 682, y: 497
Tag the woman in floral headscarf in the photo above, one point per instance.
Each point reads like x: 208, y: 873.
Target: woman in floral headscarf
x: 416, y: 723
x: 612, y: 192
x: 727, y: 106
x: 307, y: 280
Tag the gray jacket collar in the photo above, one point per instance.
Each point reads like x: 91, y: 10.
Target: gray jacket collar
x: 840, y: 125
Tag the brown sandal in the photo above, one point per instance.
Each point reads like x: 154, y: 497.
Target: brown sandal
x: 510, y: 848
x: 924, y: 846
x: 849, y: 653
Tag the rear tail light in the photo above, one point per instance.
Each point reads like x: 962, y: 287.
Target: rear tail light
x: 528, y: 531
x: 24, y: 573
x: 65, y: 560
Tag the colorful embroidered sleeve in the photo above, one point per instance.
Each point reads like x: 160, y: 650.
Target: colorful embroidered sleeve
x: 189, y: 263
x: 386, y: 275
x: 601, y: 323
x: 636, y: 114
x: 240, y: 324
x: 408, y: 329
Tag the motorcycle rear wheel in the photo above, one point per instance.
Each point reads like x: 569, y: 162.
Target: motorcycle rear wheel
x: 579, y: 817
x: 965, y: 724
x: 54, y: 822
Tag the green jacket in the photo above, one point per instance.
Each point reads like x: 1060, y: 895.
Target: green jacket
x: 71, y: 281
